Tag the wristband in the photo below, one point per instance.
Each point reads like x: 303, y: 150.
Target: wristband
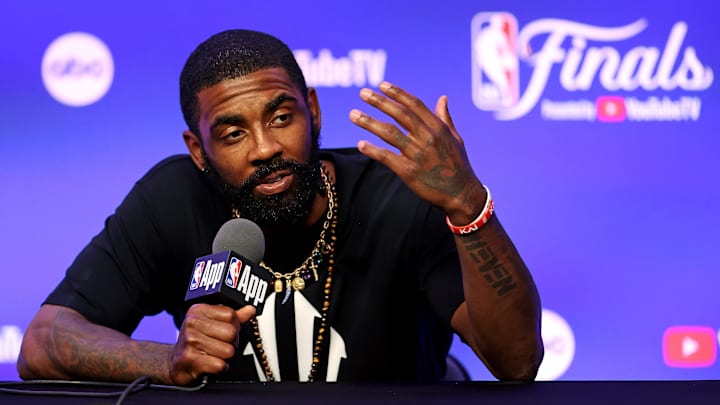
x: 478, y: 222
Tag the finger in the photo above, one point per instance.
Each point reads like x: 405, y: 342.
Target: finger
x: 188, y: 364
x: 412, y: 107
x: 215, y: 321
x: 385, y: 131
x: 443, y: 112
x: 394, y: 162
x: 402, y: 114
x: 207, y: 365
x: 219, y: 313
x: 186, y: 370
x: 198, y: 340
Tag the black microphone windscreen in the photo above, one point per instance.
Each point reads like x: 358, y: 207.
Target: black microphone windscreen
x: 241, y: 236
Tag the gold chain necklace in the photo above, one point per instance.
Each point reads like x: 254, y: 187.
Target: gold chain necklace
x: 324, y: 248
x: 296, y: 278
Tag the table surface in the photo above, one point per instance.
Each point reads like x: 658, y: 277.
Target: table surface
x: 555, y: 392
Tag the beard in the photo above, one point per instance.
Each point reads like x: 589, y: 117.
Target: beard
x: 288, y: 208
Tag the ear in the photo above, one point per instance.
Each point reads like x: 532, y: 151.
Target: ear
x: 195, y: 148
x: 314, y: 108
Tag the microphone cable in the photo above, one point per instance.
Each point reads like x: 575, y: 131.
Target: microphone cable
x: 138, y: 385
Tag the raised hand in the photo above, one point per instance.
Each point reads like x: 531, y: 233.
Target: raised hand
x: 431, y: 157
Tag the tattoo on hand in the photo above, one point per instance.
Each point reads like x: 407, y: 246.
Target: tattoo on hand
x: 446, y: 175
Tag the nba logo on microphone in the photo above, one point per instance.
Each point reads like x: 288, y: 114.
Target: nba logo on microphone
x: 233, y: 274
x: 197, y: 275
x: 495, y: 81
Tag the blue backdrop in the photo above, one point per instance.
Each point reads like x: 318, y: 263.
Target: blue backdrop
x: 595, y: 125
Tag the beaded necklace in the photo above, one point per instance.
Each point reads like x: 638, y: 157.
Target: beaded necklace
x: 324, y: 249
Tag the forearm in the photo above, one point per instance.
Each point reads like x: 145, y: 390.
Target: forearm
x: 61, y: 344
x: 502, y: 321
x: 501, y: 316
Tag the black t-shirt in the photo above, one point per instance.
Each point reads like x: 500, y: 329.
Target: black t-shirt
x: 396, y: 280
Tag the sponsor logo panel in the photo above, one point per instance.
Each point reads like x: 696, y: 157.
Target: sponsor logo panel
x: 655, y: 79
x: 359, y: 68
x: 77, y: 69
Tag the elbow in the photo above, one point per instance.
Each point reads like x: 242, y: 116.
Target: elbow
x: 38, y: 357
x: 522, y: 372
x: 24, y: 371
x: 25, y: 368
x: 523, y: 366
x: 33, y: 361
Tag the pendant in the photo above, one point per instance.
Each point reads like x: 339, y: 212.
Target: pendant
x: 287, y: 293
x: 298, y: 283
x: 278, y: 285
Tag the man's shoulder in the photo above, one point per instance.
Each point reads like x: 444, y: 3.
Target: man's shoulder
x: 172, y: 172
x: 174, y: 165
x: 174, y: 178
x: 173, y: 192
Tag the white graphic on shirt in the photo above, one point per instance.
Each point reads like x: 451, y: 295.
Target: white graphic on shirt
x: 305, y: 314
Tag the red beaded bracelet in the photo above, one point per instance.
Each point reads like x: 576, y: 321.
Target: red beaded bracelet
x: 481, y: 219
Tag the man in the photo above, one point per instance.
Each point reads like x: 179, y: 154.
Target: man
x: 372, y: 272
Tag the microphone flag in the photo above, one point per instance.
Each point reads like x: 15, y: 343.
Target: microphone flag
x: 229, y: 279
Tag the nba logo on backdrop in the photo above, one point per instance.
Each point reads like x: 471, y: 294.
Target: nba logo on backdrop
x: 494, y: 61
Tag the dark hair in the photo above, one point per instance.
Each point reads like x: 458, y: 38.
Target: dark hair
x: 229, y: 55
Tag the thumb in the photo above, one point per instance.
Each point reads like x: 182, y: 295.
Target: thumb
x: 443, y: 112
x: 245, y: 313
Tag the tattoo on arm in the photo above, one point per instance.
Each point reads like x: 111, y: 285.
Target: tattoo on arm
x: 488, y: 263
x: 77, y: 353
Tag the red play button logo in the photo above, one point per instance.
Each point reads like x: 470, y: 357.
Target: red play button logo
x: 689, y: 346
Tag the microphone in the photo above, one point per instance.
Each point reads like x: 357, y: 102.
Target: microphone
x: 228, y: 277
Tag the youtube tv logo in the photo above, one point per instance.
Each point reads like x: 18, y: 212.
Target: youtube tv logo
x: 610, y: 109
x: 689, y: 346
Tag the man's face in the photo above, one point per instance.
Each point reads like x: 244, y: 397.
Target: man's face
x: 256, y: 138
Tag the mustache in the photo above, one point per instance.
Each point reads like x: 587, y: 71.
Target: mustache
x: 267, y: 169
